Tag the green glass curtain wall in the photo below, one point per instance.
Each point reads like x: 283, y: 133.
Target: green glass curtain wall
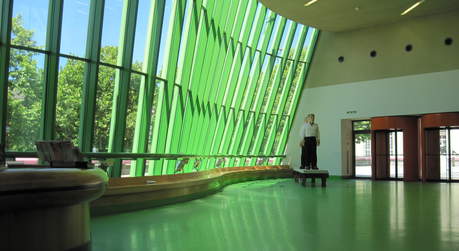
x: 199, y: 77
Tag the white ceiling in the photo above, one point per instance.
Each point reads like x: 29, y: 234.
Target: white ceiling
x: 344, y: 15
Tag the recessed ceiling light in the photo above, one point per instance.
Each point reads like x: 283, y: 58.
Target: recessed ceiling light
x: 310, y: 2
x: 412, y: 7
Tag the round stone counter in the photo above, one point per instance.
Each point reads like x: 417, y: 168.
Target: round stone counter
x: 47, y: 208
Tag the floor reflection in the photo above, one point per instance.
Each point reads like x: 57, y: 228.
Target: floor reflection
x: 282, y: 215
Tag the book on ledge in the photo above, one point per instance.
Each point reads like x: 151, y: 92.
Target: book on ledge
x: 60, y: 154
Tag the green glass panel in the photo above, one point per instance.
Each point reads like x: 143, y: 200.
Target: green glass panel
x: 148, y: 87
x: 218, y: 77
x: 294, y: 88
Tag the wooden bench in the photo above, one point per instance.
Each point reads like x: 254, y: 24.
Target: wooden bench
x: 303, y: 174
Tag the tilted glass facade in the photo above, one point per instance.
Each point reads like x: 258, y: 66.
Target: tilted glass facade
x: 215, y: 81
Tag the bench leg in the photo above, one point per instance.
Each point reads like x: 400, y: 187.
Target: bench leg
x: 324, y: 182
x: 303, y: 181
x: 313, y: 181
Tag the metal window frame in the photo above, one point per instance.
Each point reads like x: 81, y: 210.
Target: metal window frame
x: 93, y: 47
x: 213, y: 80
x: 122, y: 83
x: 147, y: 87
x: 5, y: 40
x: 50, y: 79
x: 262, y: 115
x: 165, y: 92
x: 300, y: 87
x: 214, y: 45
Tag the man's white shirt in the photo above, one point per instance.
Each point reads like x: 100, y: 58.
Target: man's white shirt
x: 309, y: 130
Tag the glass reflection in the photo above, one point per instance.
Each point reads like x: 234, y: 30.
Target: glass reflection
x: 282, y: 215
x: 397, y: 210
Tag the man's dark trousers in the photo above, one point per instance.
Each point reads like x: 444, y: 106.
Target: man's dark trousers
x: 309, y: 153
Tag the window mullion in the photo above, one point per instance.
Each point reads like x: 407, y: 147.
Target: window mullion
x: 300, y: 85
x: 276, y: 36
x: 5, y: 38
x: 200, y: 76
x: 122, y: 82
x: 165, y: 93
x: 53, y: 37
x: 86, y: 132
x: 148, y: 86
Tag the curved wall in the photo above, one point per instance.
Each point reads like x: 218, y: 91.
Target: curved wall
x: 127, y: 194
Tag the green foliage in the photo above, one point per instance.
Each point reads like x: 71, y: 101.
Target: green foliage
x: 361, y: 126
x: 24, y: 92
x: 133, y: 97
x: 20, y: 35
x: 70, y: 85
x: 104, y: 98
x: 25, y: 97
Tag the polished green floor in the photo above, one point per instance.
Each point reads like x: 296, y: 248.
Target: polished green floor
x: 282, y: 215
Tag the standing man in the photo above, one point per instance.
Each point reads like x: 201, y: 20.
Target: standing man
x: 310, y: 140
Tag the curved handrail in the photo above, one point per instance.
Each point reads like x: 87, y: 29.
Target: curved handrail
x: 150, y: 156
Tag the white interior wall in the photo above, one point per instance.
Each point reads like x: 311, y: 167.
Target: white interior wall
x: 412, y: 94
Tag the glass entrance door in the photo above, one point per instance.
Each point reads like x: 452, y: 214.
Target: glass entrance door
x: 454, y: 156
x: 362, y: 148
x: 396, y: 154
x: 442, y: 154
x: 449, y: 154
